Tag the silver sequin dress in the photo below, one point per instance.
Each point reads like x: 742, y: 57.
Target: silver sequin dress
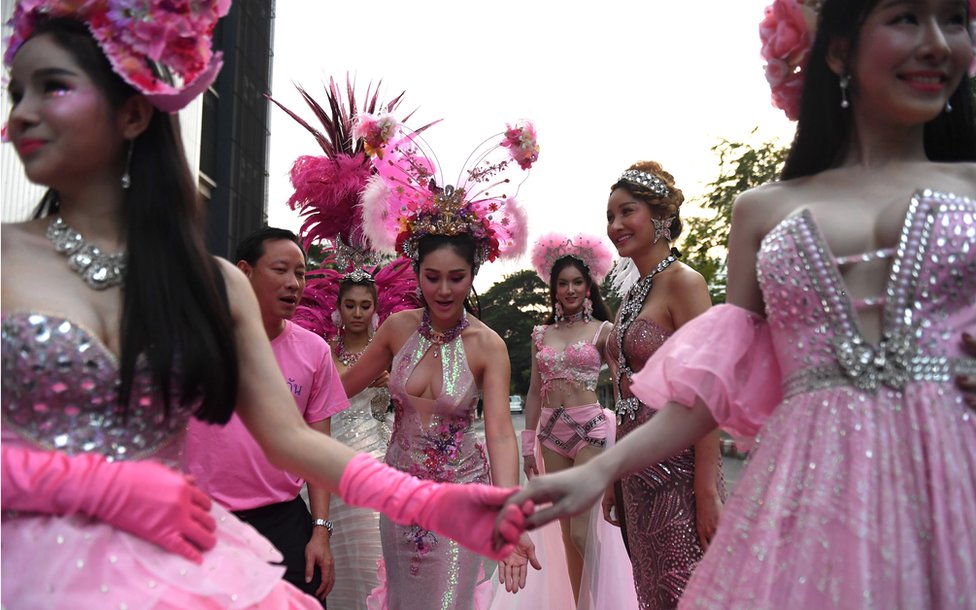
x: 433, y: 440
x: 355, y: 544
x: 59, y: 393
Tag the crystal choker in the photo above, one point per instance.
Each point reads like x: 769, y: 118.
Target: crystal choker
x: 441, y: 338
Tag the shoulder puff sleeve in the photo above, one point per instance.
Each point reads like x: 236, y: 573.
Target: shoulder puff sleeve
x: 725, y: 359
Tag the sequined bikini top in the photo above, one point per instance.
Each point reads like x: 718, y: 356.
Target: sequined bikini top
x: 580, y: 362
x: 60, y: 387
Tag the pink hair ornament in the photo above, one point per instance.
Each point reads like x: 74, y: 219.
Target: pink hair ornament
x: 588, y: 249
x: 139, y: 37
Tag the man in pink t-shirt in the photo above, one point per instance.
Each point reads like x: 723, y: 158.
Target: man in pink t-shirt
x: 227, y: 462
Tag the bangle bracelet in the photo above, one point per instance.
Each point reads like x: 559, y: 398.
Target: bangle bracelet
x: 324, y: 523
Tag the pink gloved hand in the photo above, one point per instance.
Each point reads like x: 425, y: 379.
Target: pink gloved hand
x: 465, y: 513
x: 143, y: 498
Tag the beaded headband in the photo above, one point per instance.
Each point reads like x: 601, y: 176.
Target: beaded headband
x: 650, y: 181
x: 359, y: 276
x: 135, y: 35
x: 588, y: 249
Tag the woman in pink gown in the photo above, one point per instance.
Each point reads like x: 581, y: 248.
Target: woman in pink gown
x: 851, y: 282
x: 99, y: 381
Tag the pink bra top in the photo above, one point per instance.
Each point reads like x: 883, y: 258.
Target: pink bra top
x: 580, y: 362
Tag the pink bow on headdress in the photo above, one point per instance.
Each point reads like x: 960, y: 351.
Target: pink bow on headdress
x: 588, y: 249
x: 134, y: 34
x: 407, y: 200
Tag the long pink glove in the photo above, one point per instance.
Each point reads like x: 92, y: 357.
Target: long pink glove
x: 466, y: 513
x: 143, y: 498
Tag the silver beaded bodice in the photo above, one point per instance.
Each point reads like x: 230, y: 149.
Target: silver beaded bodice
x: 928, y: 300
x: 60, y: 388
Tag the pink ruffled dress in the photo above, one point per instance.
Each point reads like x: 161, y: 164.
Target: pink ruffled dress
x: 861, y: 489
x: 59, y: 393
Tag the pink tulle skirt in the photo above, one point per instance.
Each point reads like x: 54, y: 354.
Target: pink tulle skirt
x: 73, y: 562
x: 608, y: 580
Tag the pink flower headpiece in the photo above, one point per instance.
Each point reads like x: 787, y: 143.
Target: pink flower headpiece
x: 327, y: 186
x: 588, y: 249
x: 406, y: 200
x: 174, y: 34
x: 787, y: 32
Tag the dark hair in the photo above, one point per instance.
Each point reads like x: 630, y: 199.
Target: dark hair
x: 174, y: 304
x: 464, y: 246
x: 600, y: 310
x: 667, y: 205
x: 348, y: 284
x: 823, y: 130
x: 251, y: 248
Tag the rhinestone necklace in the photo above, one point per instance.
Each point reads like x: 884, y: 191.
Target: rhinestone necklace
x: 629, y: 310
x: 99, y: 270
x: 348, y: 358
x: 438, y: 338
x: 572, y: 318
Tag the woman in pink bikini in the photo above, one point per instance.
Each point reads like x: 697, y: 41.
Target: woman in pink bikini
x: 566, y: 362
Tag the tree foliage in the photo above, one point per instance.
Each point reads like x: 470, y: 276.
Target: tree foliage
x: 741, y: 167
x: 511, y: 308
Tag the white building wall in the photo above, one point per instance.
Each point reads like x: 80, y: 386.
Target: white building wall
x: 19, y: 197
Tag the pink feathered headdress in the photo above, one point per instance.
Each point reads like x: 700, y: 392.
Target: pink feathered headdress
x: 327, y: 187
x: 588, y: 249
x: 407, y: 200
x: 134, y: 34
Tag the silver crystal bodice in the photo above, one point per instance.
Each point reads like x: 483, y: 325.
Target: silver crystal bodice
x: 928, y: 297
x: 60, y: 387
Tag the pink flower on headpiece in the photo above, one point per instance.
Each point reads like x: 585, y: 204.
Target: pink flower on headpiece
x: 376, y: 131
x: 521, y: 141
x: 786, y: 33
x: 135, y: 33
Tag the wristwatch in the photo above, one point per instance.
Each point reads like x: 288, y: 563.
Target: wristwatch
x: 324, y: 523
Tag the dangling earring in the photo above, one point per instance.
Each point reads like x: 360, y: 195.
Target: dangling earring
x: 420, y: 295
x: 559, y: 312
x: 948, y: 106
x: 845, y: 82
x: 587, y: 309
x: 374, y: 323
x: 126, y: 178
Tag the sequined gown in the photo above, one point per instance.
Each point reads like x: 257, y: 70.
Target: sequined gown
x: 59, y: 392
x: 356, y: 543
x: 861, y: 491
x: 434, y: 440
x: 658, y: 523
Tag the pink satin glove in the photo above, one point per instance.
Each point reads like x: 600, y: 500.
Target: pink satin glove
x: 465, y: 513
x: 143, y: 498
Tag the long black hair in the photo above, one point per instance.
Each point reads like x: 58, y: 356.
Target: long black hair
x: 600, y: 309
x: 175, y: 310
x: 824, y: 129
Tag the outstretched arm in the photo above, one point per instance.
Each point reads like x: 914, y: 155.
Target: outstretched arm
x: 574, y: 490
x: 267, y: 409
